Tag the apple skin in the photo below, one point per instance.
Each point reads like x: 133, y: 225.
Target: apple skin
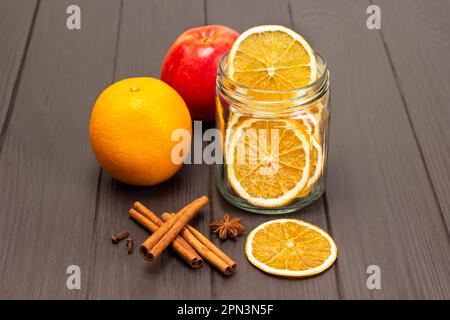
x: 191, y: 64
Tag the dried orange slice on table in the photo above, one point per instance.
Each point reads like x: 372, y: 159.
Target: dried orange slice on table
x: 290, y: 248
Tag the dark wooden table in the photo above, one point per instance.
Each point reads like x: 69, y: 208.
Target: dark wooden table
x: 387, y: 201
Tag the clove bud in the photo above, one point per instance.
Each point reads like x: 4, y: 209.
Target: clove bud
x: 130, y: 245
x: 119, y: 236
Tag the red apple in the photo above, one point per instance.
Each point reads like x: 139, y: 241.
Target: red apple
x: 190, y: 66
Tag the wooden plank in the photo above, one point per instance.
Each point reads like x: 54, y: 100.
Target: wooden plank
x: 381, y: 206
x: 16, y: 18
x: 249, y: 283
x: 148, y: 28
x: 48, y: 173
x: 421, y: 31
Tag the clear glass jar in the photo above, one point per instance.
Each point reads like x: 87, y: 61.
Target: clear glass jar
x: 273, y: 143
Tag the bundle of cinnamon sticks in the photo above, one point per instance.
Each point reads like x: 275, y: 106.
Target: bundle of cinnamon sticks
x: 173, y: 230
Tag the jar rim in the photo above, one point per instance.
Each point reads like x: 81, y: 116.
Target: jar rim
x: 272, y: 102
x: 323, y: 74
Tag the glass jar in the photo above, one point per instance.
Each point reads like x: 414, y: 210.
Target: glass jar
x: 273, y: 143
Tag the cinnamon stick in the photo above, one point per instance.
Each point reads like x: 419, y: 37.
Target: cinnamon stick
x: 159, y: 240
x: 206, y: 248
x: 212, y: 247
x: 184, y: 250
x: 143, y: 210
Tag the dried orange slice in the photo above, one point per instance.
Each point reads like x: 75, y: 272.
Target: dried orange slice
x: 313, y: 123
x: 220, y: 120
x: 315, y: 165
x: 290, y: 248
x: 314, y: 115
x: 267, y: 161
x: 272, y: 57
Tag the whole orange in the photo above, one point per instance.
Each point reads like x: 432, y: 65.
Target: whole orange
x: 131, y: 130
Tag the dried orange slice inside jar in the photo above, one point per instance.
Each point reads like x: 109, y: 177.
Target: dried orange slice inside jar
x: 272, y: 92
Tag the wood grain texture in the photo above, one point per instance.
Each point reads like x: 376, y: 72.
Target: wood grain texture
x: 16, y: 18
x: 249, y: 282
x: 388, y: 176
x: 420, y: 31
x: 148, y: 28
x: 381, y: 206
x: 48, y: 174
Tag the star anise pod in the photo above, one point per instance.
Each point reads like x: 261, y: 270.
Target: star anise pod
x: 227, y: 228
